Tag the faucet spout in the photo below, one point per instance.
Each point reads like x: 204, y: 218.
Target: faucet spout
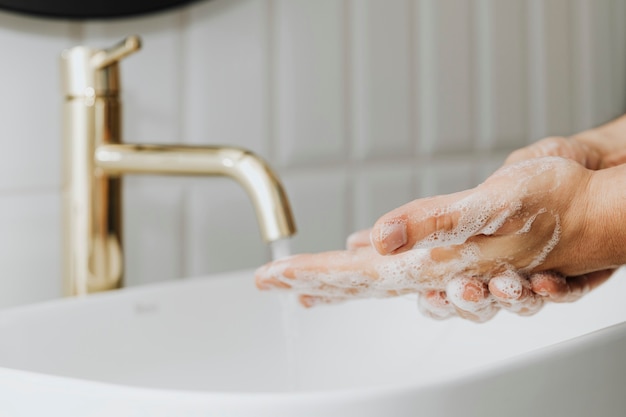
x: 249, y: 170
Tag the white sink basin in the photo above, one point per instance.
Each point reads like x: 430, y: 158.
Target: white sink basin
x: 217, y: 347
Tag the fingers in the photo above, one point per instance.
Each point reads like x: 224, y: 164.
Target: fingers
x: 329, y: 274
x: 435, y: 304
x: 425, y: 223
x: 270, y: 282
x: 471, y: 299
x: 309, y: 301
x: 513, y: 293
x: 360, y: 239
x: 560, y: 289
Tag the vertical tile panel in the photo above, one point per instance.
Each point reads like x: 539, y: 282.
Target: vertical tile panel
x: 558, y: 70
x: 221, y: 232
x: 536, y: 70
x: 618, y: 54
x: 551, y: 72
x: 601, y: 42
x: 445, y: 75
x: 425, y: 89
x: 310, y: 85
x: 30, y: 248
x: 30, y: 100
x: 446, y: 176
x: 318, y: 199
x: 379, y: 190
x: 582, y: 65
x: 151, y: 114
x: 225, y: 74
x: 594, y: 63
x: 502, y: 84
x: 152, y: 229
x: 488, y: 165
x: 380, y: 79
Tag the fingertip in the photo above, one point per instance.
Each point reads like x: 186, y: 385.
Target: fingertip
x: 261, y: 284
x: 479, y: 316
x: 471, y: 298
x: 513, y: 292
x: 506, y: 286
x: 531, y: 309
x: 389, y: 236
x: 269, y: 283
x: 435, y: 304
x: 561, y: 289
x: 309, y: 301
x: 358, y: 239
x: 548, y: 284
x: 260, y: 275
x: 272, y: 276
x: 462, y: 290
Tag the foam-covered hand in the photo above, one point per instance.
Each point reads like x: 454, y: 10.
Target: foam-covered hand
x: 468, y: 253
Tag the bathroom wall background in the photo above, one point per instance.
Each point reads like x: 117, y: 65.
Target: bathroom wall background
x: 360, y: 105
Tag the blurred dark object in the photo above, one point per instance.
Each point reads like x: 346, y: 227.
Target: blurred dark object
x: 89, y: 9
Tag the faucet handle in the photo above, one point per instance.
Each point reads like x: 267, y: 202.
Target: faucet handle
x: 106, y: 57
x: 89, y: 72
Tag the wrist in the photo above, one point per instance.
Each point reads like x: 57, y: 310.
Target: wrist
x: 605, y: 220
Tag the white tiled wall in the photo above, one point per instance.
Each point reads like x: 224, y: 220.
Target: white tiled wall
x: 360, y: 105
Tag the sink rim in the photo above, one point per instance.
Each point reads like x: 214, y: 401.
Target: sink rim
x: 351, y: 394
x: 494, y: 368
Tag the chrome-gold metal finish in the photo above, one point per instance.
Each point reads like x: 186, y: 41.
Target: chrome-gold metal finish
x: 96, y: 160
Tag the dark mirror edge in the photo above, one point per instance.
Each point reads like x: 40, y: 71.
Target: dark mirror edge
x: 132, y: 9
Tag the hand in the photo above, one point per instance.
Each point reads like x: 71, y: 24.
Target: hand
x: 595, y: 149
x: 574, y: 148
x: 591, y: 149
x: 470, y: 253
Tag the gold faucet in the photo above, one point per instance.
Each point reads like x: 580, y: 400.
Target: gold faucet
x: 96, y: 159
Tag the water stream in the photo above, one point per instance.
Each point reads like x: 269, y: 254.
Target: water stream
x: 281, y: 249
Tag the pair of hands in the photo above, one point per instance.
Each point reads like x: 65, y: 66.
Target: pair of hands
x: 532, y: 232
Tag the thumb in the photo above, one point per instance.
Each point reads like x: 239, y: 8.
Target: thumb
x: 432, y: 222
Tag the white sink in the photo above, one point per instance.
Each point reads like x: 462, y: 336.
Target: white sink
x: 216, y: 346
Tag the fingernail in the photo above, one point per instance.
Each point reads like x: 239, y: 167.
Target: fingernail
x: 392, y: 236
x: 309, y: 301
x: 507, y: 286
x: 474, y: 292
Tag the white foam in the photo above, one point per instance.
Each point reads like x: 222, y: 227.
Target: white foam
x: 519, y: 297
x: 484, y: 214
x: 438, y: 308
x: 482, y: 309
x: 529, y: 223
x: 509, y: 283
